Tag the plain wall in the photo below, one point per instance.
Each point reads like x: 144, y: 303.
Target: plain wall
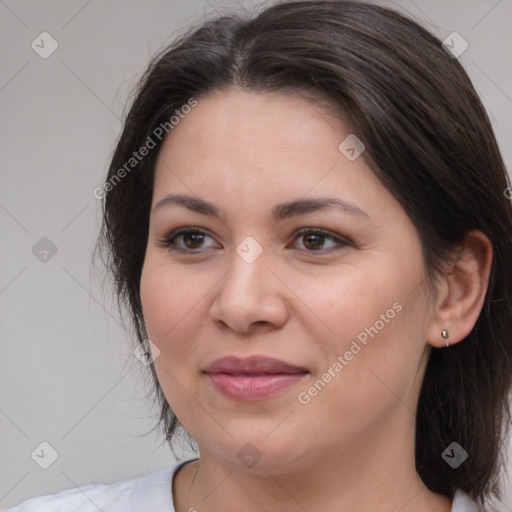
x: 67, y: 373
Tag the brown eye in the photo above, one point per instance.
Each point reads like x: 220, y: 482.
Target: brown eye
x: 185, y: 239
x: 193, y: 239
x: 315, y: 239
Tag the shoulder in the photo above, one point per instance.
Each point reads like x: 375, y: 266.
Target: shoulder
x: 462, y: 502
x: 153, y: 489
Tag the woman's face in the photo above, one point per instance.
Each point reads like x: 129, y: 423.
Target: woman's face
x: 345, y: 308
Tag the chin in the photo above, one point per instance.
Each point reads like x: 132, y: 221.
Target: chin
x: 261, y: 453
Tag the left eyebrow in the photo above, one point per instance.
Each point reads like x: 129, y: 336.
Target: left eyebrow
x: 304, y: 206
x: 279, y: 212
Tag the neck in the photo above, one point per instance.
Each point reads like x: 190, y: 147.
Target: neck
x: 376, y: 473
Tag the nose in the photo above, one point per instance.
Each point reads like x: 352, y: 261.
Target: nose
x: 250, y: 297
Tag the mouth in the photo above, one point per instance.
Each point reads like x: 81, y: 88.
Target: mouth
x: 252, y: 365
x: 252, y: 378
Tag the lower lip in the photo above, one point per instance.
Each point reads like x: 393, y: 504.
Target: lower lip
x: 257, y: 387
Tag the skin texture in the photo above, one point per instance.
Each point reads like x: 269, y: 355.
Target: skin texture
x: 353, y: 441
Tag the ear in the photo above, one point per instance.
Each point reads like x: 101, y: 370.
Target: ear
x: 462, y: 290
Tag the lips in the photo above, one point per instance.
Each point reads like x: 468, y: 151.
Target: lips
x: 252, y: 378
x: 252, y: 365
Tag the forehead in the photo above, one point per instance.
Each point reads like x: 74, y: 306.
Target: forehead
x: 254, y: 132
x: 246, y: 152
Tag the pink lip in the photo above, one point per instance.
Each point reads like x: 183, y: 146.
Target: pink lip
x: 252, y: 378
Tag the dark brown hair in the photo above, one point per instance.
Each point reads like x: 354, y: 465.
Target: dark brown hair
x: 429, y: 141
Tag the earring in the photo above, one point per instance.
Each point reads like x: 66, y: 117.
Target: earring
x: 444, y: 334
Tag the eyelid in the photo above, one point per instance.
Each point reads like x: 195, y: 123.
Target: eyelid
x: 324, y: 232
x: 165, y: 241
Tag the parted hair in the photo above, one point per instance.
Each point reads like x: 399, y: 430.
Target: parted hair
x: 428, y: 140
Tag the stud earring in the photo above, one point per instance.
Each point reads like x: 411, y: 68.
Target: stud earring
x: 444, y: 334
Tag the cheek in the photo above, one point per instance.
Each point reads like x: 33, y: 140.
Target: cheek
x: 366, y: 372
x: 346, y: 302
x: 170, y: 302
x: 374, y: 322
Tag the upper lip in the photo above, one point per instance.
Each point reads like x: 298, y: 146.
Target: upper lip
x: 252, y: 364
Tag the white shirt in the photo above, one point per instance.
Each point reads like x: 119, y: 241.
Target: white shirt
x: 151, y: 492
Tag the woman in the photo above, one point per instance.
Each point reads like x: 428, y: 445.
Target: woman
x: 306, y: 214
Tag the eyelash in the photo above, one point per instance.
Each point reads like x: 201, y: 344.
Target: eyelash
x: 168, y: 242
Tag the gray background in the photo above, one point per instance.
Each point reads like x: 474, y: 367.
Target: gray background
x: 67, y: 373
